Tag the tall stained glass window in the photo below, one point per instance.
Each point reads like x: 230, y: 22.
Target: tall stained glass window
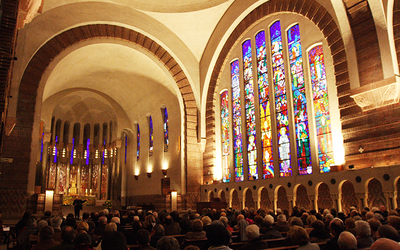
x: 226, y: 174
x: 150, y: 137
x: 250, y: 110
x: 87, y: 151
x: 321, y: 108
x: 166, y: 140
x: 280, y: 100
x: 299, y: 101
x: 237, y: 122
x: 265, y: 113
x: 138, y: 142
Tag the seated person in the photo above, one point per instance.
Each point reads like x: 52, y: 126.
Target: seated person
x: 347, y: 241
x: 300, y: 236
x: 143, y: 237
x: 218, y: 237
x: 363, y: 233
x: 168, y: 243
x: 268, y: 231
x: 198, y: 232
x: 255, y: 242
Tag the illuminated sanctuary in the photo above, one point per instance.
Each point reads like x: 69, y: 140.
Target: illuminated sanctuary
x: 265, y: 104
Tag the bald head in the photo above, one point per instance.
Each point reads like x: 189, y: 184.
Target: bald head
x: 347, y: 241
x: 385, y: 244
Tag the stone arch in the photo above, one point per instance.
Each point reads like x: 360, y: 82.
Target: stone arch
x: 396, y: 192
x: 282, y: 201
x: 302, y: 200
x: 221, y: 195
x: 235, y: 202
x: 263, y: 197
x: 324, y: 199
x: 375, y: 196
x: 248, y: 198
x: 210, y: 195
x: 51, y: 49
x: 311, y: 10
x: 347, y: 196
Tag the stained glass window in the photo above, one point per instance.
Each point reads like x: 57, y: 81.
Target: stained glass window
x: 282, y: 120
x: 72, y: 151
x: 150, y: 137
x: 226, y: 174
x: 55, y: 149
x: 237, y: 123
x: 41, y: 148
x: 87, y: 151
x: 166, y: 140
x: 321, y: 108
x: 299, y: 101
x: 265, y: 113
x: 250, y: 110
x: 138, y: 142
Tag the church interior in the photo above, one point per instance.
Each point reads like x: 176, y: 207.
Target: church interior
x: 256, y: 103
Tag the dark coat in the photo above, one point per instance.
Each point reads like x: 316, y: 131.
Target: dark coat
x: 255, y: 244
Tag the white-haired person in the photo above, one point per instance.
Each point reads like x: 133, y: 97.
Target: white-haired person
x: 347, y: 241
x: 255, y: 242
x: 363, y: 234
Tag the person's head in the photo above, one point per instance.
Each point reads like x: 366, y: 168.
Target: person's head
x: 56, y: 221
x: 197, y: 225
x: 350, y: 223
x: 102, y: 220
x: 362, y: 229
x: 299, y: 235
x: 240, y: 217
x: 269, y: 218
x: 31, y: 222
x: 318, y: 225
x: 296, y: 221
x: 168, y: 243
x: 168, y: 220
x: 217, y: 235
x: 82, y: 227
x: 206, y: 220
x: 252, y: 232
x: 385, y: 244
x: 374, y: 224
x: 387, y: 231
x: 311, y: 219
x: 41, y: 224
x: 114, y: 241
x: 143, y: 237
x: 68, y: 234
x: 224, y: 220
x: 82, y: 239
x: 111, y: 227
x: 116, y: 220
x: 191, y: 247
x: 47, y: 214
x: 46, y: 233
x: 85, y: 216
x: 336, y: 226
x: 159, y: 229
x: 281, y: 218
x: 394, y: 221
x: 347, y: 241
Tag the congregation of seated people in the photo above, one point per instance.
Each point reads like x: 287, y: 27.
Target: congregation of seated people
x: 210, y: 229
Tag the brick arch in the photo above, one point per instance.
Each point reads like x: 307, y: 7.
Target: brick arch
x: 322, y: 19
x: 21, y: 139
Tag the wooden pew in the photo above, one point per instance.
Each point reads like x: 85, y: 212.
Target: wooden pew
x: 200, y: 243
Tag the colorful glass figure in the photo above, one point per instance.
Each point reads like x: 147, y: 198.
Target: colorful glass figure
x: 299, y: 101
x: 321, y: 108
x: 87, y: 151
x: 226, y: 174
x: 138, y: 143
x: 265, y: 113
x: 250, y: 110
x: 166, y: 140
x: 151, y: 137
x: 282, y: 120
x: 236, y: 119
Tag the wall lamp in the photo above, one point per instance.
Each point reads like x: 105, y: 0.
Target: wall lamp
x: 164, y: 171
x: 136, y: 177
x: 149, y: 175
